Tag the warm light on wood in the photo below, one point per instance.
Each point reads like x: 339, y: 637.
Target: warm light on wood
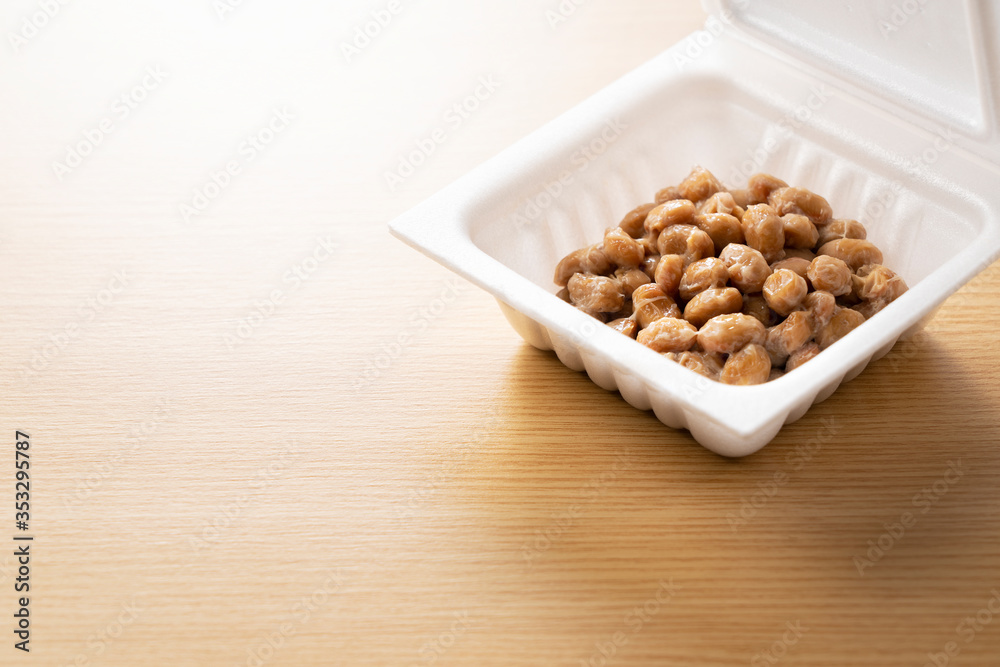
x: 264, y: 432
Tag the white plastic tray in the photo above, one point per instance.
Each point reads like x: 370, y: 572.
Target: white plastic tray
x: 754, y: 92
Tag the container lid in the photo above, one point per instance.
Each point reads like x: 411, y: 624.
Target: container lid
x: 934, y: 64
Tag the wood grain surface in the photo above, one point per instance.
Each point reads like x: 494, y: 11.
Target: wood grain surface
x: 233, y: 462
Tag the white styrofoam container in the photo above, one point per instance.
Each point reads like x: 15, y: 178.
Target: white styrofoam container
x: 887, y: 109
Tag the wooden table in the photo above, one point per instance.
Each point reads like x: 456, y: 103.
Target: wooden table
x: 231, y: 463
